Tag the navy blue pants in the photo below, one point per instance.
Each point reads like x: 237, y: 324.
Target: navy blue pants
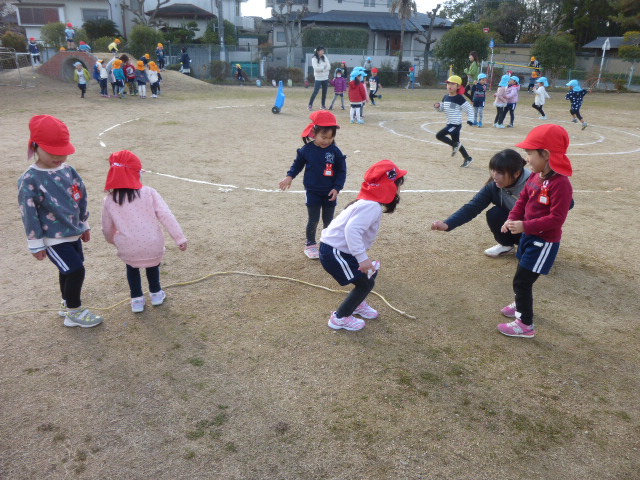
x: 69, y: 259
x: 135, y: 281
x: 496, y: 216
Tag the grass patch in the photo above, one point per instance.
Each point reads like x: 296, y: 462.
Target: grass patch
x: 196, y: 361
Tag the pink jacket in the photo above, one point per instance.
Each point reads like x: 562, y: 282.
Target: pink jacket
x: 501, y: 96
x: 512, y: 93
x: 134, y: 228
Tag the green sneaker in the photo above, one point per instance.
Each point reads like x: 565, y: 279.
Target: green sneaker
x: 81, y: 318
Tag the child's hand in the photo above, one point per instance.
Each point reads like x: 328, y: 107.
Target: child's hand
x: 285, y: 183
x: 440, y: 226
x: 513, y: 226
x: 436, y: 105
x: 41, y: 255
x: 366, y: 265
x: 86, y: 236
x: 182, y: 246
x: 333, y: 194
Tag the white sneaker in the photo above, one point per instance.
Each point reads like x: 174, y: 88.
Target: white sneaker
x: 499, y: 250
x: 312, y: 251
x: 366, y: 311
x: 137, y: 304
x: 157, y: 298
x: 543, y: 118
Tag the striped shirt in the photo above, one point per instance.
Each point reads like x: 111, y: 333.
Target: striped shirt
x: 453, y: 107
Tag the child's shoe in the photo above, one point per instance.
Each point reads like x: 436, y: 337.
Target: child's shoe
x: 544, y: 117
x: 575, y: 120
x: 467, y: 162
x: 63, y: 308
x: 81, y: 317
x: 342, y: 108
x: 157, y: 298
x: 379, y: 97
x: 517, y: 329
x: 137, y: 304
x: 350, y: 323
x: 353, y: 121
x: 479, y: 124
x: 310, y: 107
x: 366, y: 311
x: 500, y: 126
x: 509, y: 310
x: 584, y: 125
x: 455, y: 149
x: 510, y: 125
x: 361, y: 121
x: 312, y: 251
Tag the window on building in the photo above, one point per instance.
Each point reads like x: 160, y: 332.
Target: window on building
x: 38, y: 15
x: 280, y: 37
x: 94, y: 14
x: 369, y: 3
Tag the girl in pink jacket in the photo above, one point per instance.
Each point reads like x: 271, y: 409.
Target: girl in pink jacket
x: 131, y: 218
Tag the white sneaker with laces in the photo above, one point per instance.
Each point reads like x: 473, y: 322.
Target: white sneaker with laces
x: 365, y: 310
x: 312, y: 251
x: 499, y: 250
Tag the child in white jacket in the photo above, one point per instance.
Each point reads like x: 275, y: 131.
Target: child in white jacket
x: 541, y: 96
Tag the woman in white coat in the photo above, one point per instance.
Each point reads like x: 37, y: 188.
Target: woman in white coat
x: 321, y: 68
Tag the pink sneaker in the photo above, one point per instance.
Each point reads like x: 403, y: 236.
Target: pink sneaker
x: 517, y: 329
x: 509, y: 310
x: 366, y: 311
x: 348, y: 323
x: 312, y: 251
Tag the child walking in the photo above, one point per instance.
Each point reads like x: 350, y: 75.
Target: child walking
x: 512, y: 100
x: 103, y: 76
x: 374, y: 85
x: 344, y: 243
x: 131, y: 218
x: 325, y: 171
x: 82, y: 77
x: 541, y: 96
x: 538, y: 215
x: 357, y: 95
x: 34, y: 51
x: 53, y: 205
x: 576, y: 97
x: 501, y: 101
x: 412, y: 78
x: 479, y: 93
x: 453, y: 103
x: 154, y: 79
x: 340, y: 85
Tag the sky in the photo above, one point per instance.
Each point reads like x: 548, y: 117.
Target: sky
x: 256, y: 8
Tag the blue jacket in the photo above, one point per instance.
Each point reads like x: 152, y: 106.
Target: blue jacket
x: 118, y: 74
x: 141, y: 76
x: 316, y: 161
x: 489, y: 194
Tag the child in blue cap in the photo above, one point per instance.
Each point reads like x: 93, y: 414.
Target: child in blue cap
x: 576, y: 97
x: 541, y: 96
x: 501, y: 101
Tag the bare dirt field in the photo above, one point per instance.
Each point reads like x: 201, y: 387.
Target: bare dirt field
x: 239, y: 377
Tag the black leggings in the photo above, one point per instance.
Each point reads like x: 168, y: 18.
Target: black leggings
x: 501, y: 112
x: 314, y: 219
x: 135, y: 281
x: 496, y: 216
x: 71, y: 287
x: 454, y: 133
x: 523, y: 288
x: 324, y: 84
x: 539, y: 109
x: 576, y: 113
x: 362, y: 287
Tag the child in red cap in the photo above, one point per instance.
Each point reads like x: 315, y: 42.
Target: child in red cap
x: 374, y: 85
x: 538, y: 215
x: 344, y: 243
x: 70, y: 35
x: 53, y: 204
x: 131, y: 218
x: 325, y: 171
x: 34, y: 51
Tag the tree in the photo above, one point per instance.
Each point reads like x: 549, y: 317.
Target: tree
x: 455, y: 45
x: 141, y: 17
x: 627, y: 13
x: 555, y: 53
x: 101, y: 27
x: 631, y: 51
x: 405, y: 9
x: 292, y: 24
x: 144, y: 39
x: 14, y: 40
x: 185, y: 33
x: 52, y: 34
x: 507, y: 20
x: 424, y: 36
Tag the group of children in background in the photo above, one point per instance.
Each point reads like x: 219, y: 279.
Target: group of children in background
x: 124, y: 73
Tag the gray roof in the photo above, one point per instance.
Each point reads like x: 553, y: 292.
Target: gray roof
x: 181, y: 10
x: 377, y: 21
x: 615, y: 42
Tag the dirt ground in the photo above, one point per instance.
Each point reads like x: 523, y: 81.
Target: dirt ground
x: 239, y: 377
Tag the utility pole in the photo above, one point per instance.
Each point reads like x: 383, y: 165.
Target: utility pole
x: 221, y: 29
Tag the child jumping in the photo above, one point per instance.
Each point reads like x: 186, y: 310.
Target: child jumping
x: 340, y: 85
x: 479, y: 93
x: 325, y: 171
x: 541, y: 96
x: 131, y: 218
x: 538, y: 215
x: 374, y: 85
x: 344, y: 243
x: 453, y: 103
x: 576, y: 97
x: 357, y: 95
x: 53, y: 204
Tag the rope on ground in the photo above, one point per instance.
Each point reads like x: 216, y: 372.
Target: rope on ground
x: 214, y: 274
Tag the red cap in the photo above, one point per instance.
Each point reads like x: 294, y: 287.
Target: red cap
x: 555, y: 139
x: 322, y: 118
x: 411, y: 69
x: 379, y: 182
x: 374, y: 70
x: 51, y: 134
x: 32, y: 39
x: 124, y: 172
x: 69, y: 24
